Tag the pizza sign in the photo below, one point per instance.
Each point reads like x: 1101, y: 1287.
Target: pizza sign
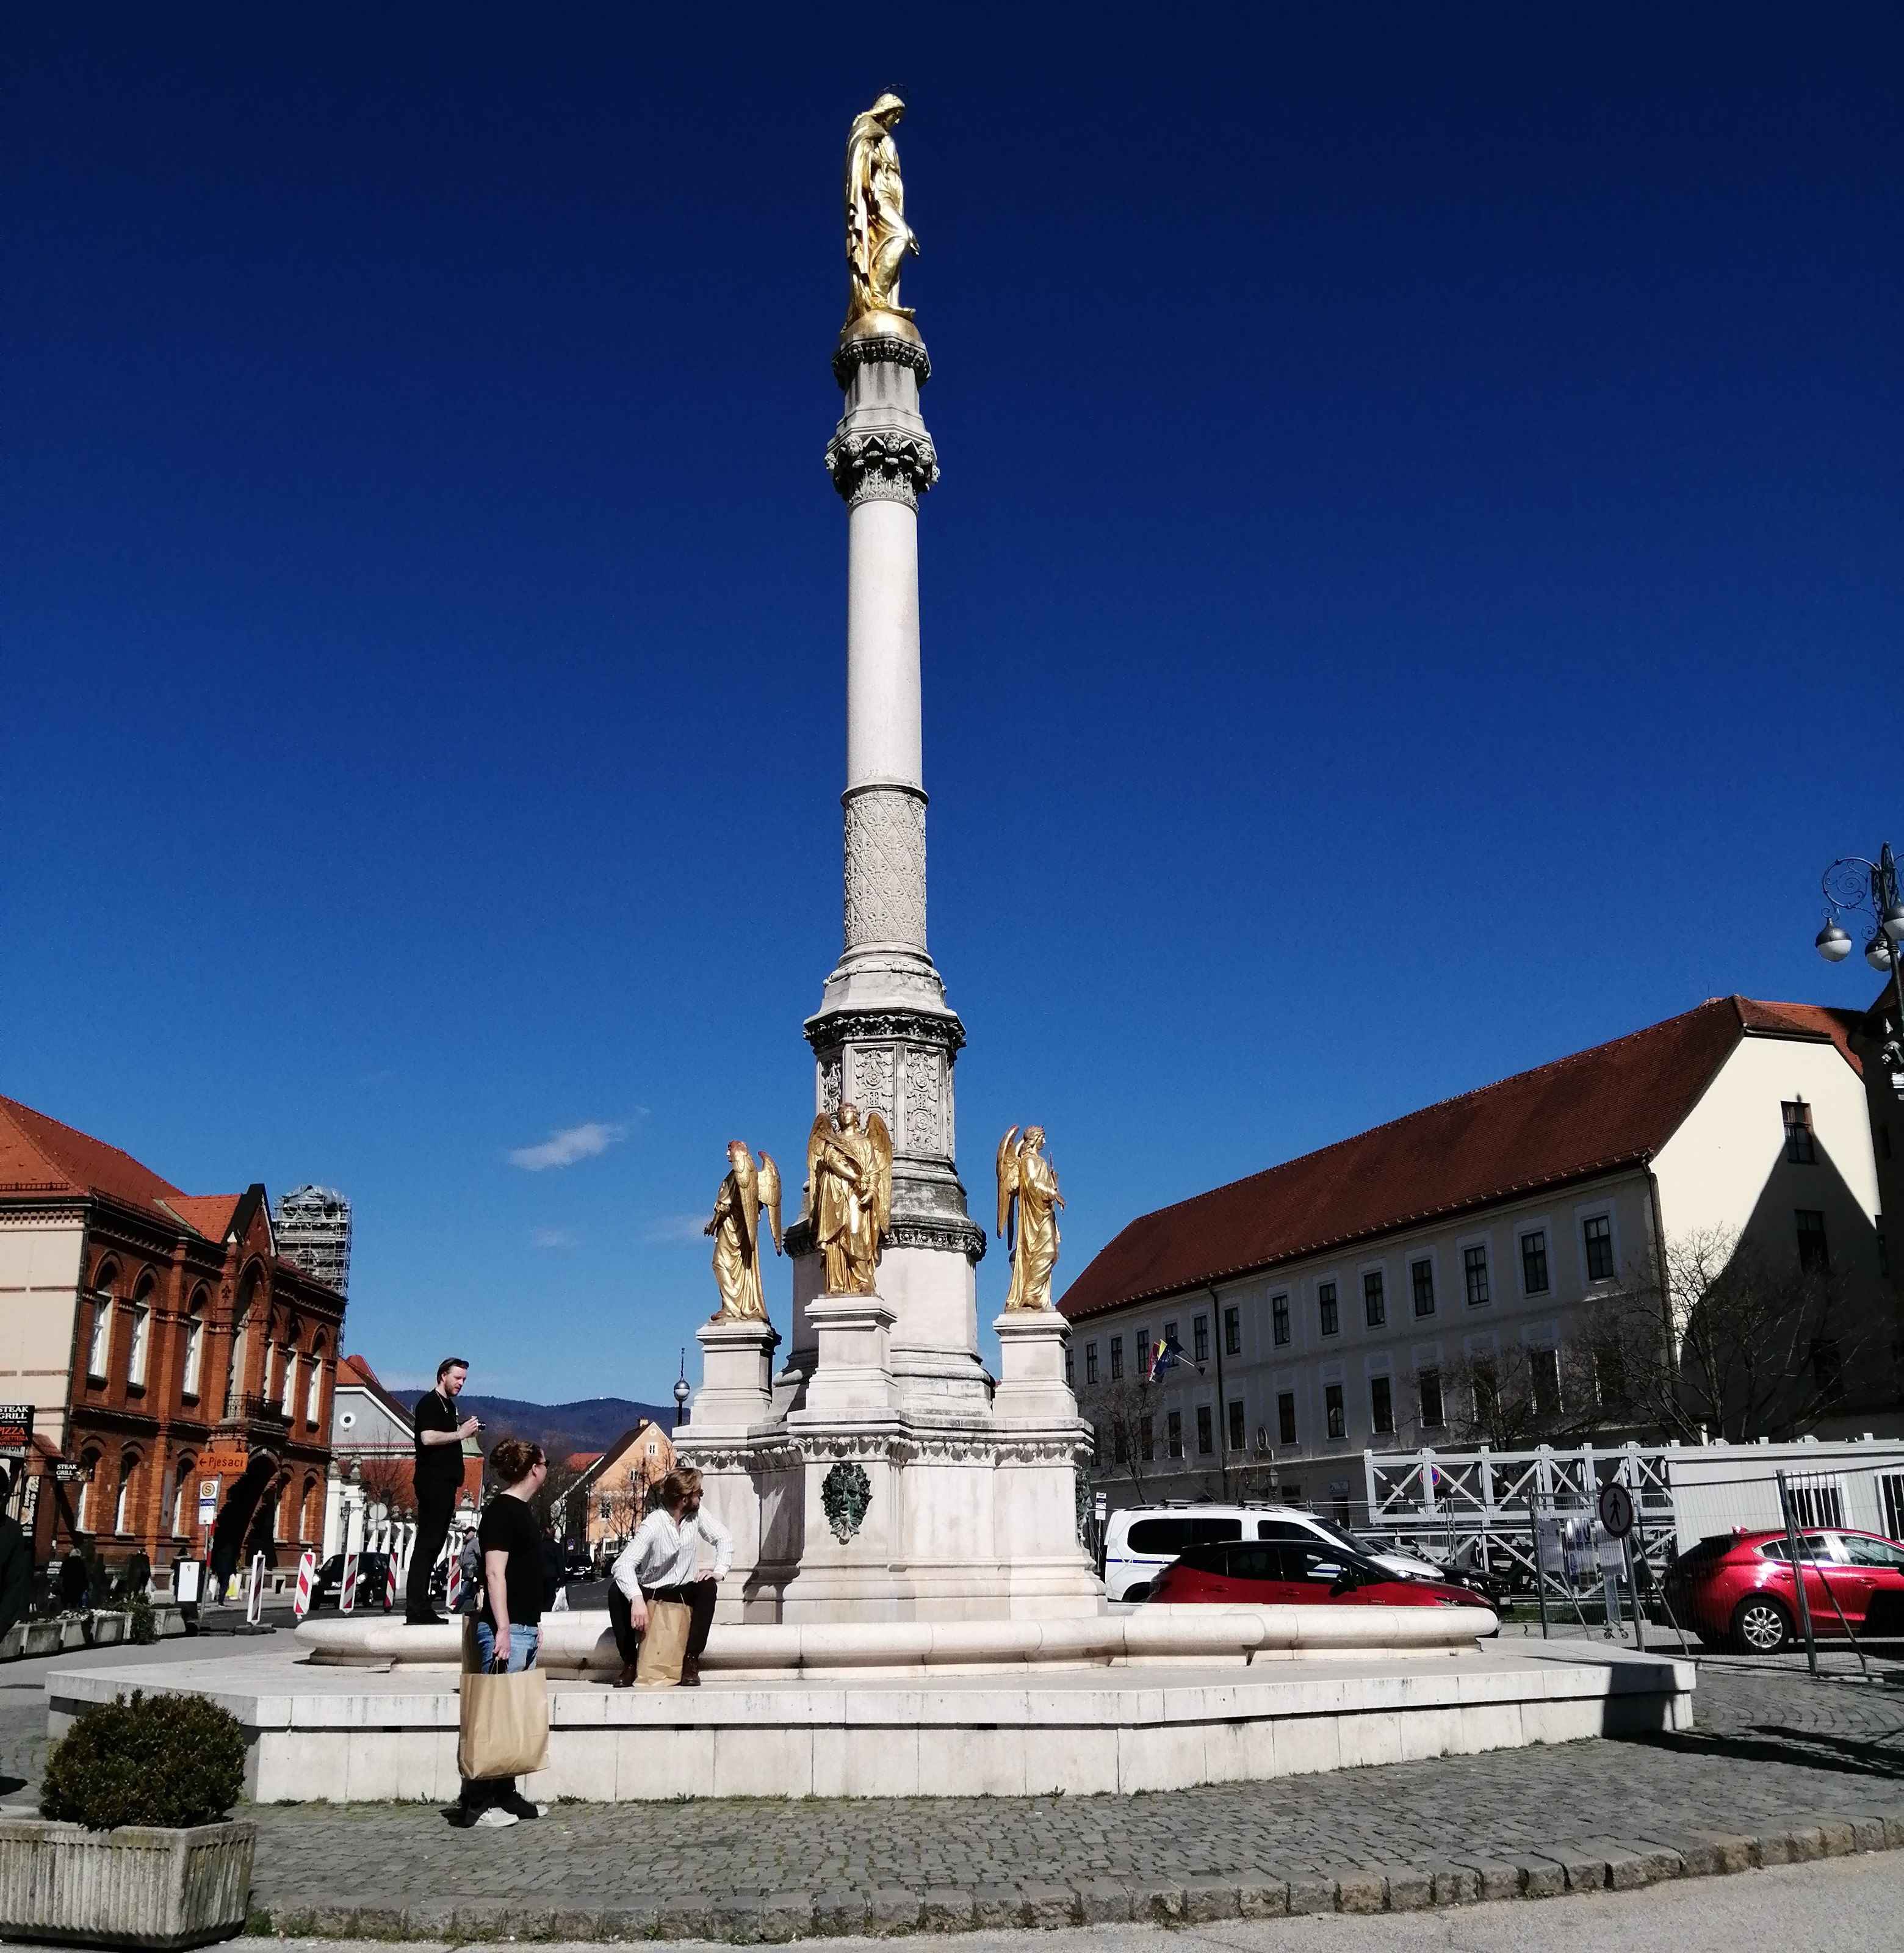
x: 16, y: 1430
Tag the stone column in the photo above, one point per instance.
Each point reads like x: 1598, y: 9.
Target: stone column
x: 885, y: 1036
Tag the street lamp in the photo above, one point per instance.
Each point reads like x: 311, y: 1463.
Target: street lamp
x: 1854, y: 886
x: 684, y: 1389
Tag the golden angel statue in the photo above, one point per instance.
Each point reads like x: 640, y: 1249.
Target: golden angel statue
x: 849, y: 1196
x: 1028, y: 1180
x: 744, y: 1194
x: 878, y: 236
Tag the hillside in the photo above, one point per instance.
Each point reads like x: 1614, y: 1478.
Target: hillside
x: 591, y: 1423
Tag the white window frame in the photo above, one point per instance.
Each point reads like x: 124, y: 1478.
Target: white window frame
x: 194, y: 1352
x: 141, y: 1336
x: 1378, y: 1268
x: 124, y: 1493
x: 1408, y: 1262
x: 1327, y: 1278
x: 313, y: 1387
x: 183, y: 1473
x: 99, y: 1348
x: 1485, y: 1242
x: 1542, y: 1224
x: 1593, y: 1210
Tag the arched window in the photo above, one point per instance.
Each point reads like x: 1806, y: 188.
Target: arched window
x: 125, y: 1511
x: 314, y: 1388
x: 184, y: 1495
x: 141, y: 1335
x: 313, y: 1525
x: 240, y: 1339
x: 82, y: 1506
x: 194, y: 1345
x: 99, y: 1350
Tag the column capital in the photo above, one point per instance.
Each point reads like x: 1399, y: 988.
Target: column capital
x: 882, y: 466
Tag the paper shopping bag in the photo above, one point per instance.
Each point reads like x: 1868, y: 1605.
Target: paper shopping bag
x: 505, y: 1725
x: 664, y: 1645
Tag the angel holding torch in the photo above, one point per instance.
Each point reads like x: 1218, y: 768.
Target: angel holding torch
x: 735, y: 1226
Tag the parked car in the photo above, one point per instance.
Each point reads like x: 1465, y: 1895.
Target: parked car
x: 1739, y: 1588
x: 1297, y: 1573
x: 373, y: 1582
x: 1142, y: 1540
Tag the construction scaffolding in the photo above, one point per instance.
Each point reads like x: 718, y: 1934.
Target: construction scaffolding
x: 312, y: 1225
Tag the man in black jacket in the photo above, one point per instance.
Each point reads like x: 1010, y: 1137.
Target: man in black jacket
x: 438, y: 1475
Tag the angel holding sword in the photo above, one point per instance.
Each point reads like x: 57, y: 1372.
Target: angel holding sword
x: 1028, y: 1181
x: 736, y: 1228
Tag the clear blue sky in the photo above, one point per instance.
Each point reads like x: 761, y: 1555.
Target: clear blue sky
x: 1415, y: 589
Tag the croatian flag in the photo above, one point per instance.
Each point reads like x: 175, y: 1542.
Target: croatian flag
x: 1168, y: 1352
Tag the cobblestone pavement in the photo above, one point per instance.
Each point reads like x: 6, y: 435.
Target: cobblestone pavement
x: 1774, y: 1755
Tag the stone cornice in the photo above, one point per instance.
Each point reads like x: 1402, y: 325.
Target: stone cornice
x: 876, y: 349
x: 831, y: 1029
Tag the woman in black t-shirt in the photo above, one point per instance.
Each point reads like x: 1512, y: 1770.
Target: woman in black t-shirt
x: 510, y: 1624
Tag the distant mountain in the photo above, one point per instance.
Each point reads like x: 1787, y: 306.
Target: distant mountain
x: 592, y: 1424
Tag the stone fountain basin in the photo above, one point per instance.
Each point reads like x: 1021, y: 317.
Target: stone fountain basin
x: 581, y: 1643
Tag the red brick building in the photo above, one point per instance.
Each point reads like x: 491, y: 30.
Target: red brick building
x: 158, y: 1334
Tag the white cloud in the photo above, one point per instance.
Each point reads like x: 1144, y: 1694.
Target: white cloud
x: 553, y: 1237
x: 565, y: 1147
x: 674, y: 1228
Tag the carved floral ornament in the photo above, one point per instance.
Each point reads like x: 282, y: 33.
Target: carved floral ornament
x: 901, y: 466
x: 763, y: 1457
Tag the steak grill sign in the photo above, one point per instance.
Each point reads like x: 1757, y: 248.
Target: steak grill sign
x: 16, y: 1430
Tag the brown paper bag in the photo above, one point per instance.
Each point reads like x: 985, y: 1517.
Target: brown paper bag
x: 664, y: 1645
x: 505, y: 1725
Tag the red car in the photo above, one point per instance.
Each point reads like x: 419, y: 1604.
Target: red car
x: 1290, y: 1573
x: 1737, y: 1588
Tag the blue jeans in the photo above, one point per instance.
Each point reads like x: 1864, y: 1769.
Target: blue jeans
x: 523, y: 1643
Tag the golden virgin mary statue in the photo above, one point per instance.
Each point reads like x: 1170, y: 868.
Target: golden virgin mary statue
x: 1027, y: 1182
x: 878, y: 236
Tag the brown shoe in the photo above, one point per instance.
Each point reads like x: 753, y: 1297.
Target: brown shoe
x: 690, y: 1671
x: 626, y: 1678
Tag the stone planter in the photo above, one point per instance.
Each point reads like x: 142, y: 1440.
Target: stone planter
x: 136, y: 1886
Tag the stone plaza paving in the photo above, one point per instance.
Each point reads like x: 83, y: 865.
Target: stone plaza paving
x: 1780, y: 1768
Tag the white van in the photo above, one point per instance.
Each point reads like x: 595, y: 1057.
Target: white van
x: 1142, y: 1540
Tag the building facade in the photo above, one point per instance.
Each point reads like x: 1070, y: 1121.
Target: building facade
x: 600, y: 1510
x: 1359, y: 1297
x: 160, y: 1338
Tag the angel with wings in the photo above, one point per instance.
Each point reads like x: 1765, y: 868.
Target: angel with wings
x: 745, y: 1194
x: 849, y: 1196
x: 1028, y: 1181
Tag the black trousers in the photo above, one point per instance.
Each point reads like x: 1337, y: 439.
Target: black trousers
x: 698, y: 1596
x: 435, y: 1506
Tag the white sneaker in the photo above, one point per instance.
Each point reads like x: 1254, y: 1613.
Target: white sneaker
x: 494, y: 1818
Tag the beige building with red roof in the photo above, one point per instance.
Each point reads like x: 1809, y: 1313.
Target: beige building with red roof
x: 159, y: 1337
x: 601, y: 1509
x: 1336, y: 1302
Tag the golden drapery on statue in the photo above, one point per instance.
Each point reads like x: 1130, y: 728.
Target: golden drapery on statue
x: 745, y: 1193
x: 1028, y: 1180
x: 849, y: 1196
x: 878, y: 236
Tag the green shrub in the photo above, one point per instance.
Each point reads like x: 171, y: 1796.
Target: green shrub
x: 144, y: 1628
x: 171, y: 1759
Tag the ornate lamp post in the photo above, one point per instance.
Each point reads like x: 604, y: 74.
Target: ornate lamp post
x: 684, y: 1389
x: 1854, y: 886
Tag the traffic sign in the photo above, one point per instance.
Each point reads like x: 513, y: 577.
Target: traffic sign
x: 1616, y: 1509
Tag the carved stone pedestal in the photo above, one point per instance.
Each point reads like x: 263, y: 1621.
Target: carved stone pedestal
x: 1032, y: 1390
x: 736, y: 1370
x: 853, y: 1380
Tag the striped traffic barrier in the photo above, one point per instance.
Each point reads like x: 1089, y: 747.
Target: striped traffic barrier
x: 453, y: 1591
x: 389, y: 1583
x: 255, y: 1590
x: 347, y: 1586
x: 307, y: 1574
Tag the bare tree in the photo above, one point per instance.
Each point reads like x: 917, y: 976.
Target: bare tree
x: 1518, y: 1398
x: 1122, y: 1415
x: 385, y: 1477
x: 1743, y: 1343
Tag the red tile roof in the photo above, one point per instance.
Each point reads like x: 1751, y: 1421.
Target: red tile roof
x: 1614, y: 1105
x: 209, y: 1213
x: 353, y: 1371
x: 580, y: 1461
x: 39, y: 1155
